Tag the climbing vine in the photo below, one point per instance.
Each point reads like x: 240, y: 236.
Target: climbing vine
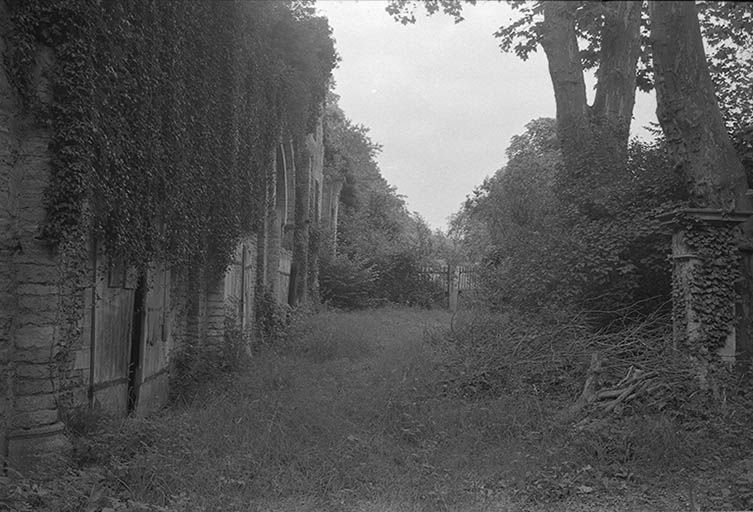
x: 712, y: 290
x: 164, y: 115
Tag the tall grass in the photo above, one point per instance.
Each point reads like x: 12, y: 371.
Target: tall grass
x: 343, y: 414
x: 368, y: 411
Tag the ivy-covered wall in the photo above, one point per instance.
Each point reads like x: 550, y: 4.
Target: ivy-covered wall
x: 149, y: 126
x: 165, y: 114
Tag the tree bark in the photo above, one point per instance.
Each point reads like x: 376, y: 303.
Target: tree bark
x: 616, y: 76
x: 593, y: 139
x: 688, y: 111
x: 560, y: 44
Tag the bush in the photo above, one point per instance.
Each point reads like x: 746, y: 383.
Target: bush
x: 272, y: 318
x: 591, y: 239
x: 346, y: 283
x: 400, y: 280
x: 195, y: 363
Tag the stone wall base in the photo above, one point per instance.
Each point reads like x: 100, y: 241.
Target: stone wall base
x: 34, y: 448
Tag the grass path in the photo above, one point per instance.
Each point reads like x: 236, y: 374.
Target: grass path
x: 347, y: 415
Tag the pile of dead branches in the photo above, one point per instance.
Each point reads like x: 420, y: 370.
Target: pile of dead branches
x: 630, y: 364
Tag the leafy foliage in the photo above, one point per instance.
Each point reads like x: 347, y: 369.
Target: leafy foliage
x: 194, y: 362
x: 726, y: 29
x: 380, y: 244
x: 346, y: 282
x: 164, y: 113
x: 713, y: 288
x: 548, y: 249
x: 272, y: 318
x: 728, y: 32
x: 401, y: 281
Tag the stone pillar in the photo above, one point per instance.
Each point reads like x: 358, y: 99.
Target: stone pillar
x: 686, y: 326
x: 30, y: 280
x: 299, y: 268
x: 275, y: 215
x: 706, y: 278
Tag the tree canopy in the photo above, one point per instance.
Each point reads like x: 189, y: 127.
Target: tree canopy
x: 380, y: 243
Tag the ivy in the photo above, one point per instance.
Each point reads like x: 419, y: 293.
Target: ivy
x: 712, y: 292
x: 164, y: 115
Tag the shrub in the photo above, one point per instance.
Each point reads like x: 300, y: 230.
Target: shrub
x: 272, y: 318
x: 591, y: 238
x: 400, y: 280
x: 195, y: 363
x: 346, y: 283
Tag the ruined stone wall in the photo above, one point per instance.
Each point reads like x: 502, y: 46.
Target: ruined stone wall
x: 315, y: 143
x: 202, y: 297
x: 48, y: 300
x: 315, y: 148
x: 30, y: 293
x: 274, y: 222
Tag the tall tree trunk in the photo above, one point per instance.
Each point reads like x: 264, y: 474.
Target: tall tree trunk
x: 616, y: 77
x: 688, y: 111
x: 706, y: 268
x: 560, y: 44
x: 593, y: 139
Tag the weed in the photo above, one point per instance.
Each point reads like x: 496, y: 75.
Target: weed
x: 272, y: 318
x: 375, y: 411
x: 194, y: 364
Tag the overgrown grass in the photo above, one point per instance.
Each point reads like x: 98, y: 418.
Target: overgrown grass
x: 383, y: 410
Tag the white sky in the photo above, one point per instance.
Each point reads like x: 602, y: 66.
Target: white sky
x: 440, y: 97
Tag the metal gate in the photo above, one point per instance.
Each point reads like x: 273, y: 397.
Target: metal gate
x: 454, y: 279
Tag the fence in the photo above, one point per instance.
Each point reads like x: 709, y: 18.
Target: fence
x: 454, y: 279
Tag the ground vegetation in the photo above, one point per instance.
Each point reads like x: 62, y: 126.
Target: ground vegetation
x: 410, y: 410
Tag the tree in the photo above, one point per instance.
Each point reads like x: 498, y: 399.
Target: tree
x: 380, y: 244
x: 543, y: 251
x: 727, y: 29
x: 594, y: 138
x: 616, y: 25
x: 688, y: 110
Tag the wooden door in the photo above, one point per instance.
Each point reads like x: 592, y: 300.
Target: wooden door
x: 152, y: 378
x: 113, y: 318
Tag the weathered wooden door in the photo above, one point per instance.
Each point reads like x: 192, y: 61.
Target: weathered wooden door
x: 115, y: 289
x: 151, y: 379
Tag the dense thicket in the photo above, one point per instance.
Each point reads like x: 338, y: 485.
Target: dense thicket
x: 542, y: 249
x: 164, y: 114
x: 381, y: 246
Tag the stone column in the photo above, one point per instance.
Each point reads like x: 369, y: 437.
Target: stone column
x: 686, y: 326
x: 275, y: 218
x: 706, y: 278
x: 30, y: 280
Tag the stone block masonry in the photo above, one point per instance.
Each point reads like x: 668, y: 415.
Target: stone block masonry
x: 29, y: 288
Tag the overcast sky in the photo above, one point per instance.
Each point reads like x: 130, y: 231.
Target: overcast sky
x: 440, y: 97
